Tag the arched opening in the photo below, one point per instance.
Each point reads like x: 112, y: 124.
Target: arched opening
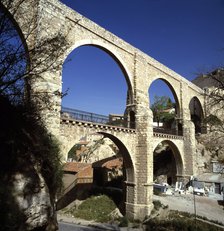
x: 102, y: 162
x: 165, y: 107
x: 197, y: 115
x: 167, y: 162
x: 96, y: 83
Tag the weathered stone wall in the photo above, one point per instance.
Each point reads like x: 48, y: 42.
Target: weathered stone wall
x: 72, y: 132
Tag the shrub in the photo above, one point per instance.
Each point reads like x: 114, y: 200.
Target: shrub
x: 124, y: 222
x: 157, y: 192
x: 157, y: 204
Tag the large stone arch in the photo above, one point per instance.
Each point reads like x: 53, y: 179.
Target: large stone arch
x: 111, y: 52
x: 18, y: 25
x: 176, y: 153
x: 196, y: 113
x: 129, y: 188
x: 195, y: 98
x: 175, y: 92
x: 128, y: 163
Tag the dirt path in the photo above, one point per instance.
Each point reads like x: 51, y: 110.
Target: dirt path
x: 205, y: 206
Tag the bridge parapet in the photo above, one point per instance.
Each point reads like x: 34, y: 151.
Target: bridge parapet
x: 96, y: 125
x: 115, y: 128
x: 167, y: 136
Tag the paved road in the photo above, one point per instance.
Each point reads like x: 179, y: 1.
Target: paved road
x: 71, y: 227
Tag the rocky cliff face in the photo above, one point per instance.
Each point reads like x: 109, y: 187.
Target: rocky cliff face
x: 27, y: 202
x: 98, y: 150
x: 33, y: 199
x: 208, y: 148
x: 29, y: 171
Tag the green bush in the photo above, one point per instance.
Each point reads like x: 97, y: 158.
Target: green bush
x: 124, y: 222
x: 157, y: 204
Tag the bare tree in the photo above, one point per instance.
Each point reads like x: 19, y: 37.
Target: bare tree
x: 28, y: 153
x: 23, y: 58
x: 214, y: 93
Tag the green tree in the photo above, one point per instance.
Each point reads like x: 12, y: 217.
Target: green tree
x: 160, y: 109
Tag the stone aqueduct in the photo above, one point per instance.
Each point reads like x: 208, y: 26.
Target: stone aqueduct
x: 137, y: 145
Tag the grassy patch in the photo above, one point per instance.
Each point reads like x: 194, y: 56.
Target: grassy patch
x: 97, y: 208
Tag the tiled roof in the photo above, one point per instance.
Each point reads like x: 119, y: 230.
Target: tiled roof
x: 74, y: 166
x: 83, y: 170
x: 109, y: 163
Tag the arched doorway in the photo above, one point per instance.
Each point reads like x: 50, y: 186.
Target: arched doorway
x: 197, y: 114
x: 167, y: 162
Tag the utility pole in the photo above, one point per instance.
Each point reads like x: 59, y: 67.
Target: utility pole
x: 195, y: 212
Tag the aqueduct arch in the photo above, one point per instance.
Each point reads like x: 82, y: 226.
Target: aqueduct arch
x: 128, y: 168
x: 128, y: 162
x: 111, y: 52
x: 197, y: 114
x: 176, y: 153
x: 52, y: 18
x: 175, y: 91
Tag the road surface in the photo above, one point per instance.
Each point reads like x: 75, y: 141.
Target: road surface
x: 71, y: 227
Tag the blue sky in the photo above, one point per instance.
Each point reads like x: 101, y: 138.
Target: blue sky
x: 185, y: 35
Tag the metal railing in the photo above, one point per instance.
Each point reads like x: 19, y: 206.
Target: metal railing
x: 95, y: 118
x: 103, y: 119
x: 84, y: 116
x: 167, y: 131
